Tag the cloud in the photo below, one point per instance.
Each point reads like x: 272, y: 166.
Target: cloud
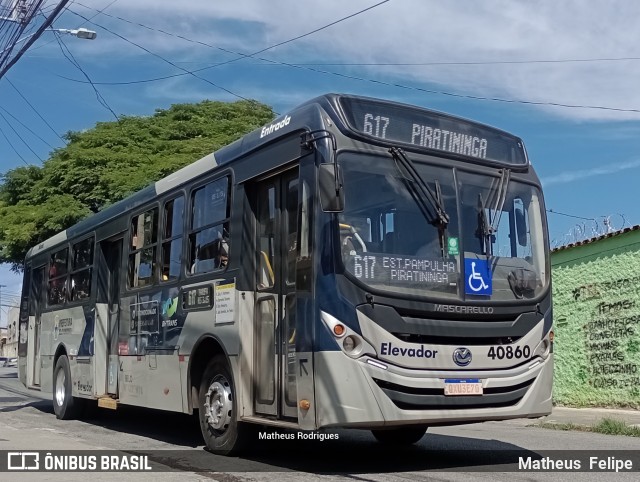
x: 571, y: 176
x: 414, y: 31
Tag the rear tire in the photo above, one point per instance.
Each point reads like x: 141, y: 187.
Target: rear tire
x: 221, y: 431
x: 401, y: 435
x: 65, y: 405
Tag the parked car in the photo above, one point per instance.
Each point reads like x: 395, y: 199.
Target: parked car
x: 8, y: 362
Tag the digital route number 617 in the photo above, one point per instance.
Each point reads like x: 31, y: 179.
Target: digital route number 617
x: 509, y: 352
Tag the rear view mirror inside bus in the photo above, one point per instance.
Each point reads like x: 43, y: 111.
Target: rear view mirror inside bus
x: 331, y: 192
x: 521, y: 226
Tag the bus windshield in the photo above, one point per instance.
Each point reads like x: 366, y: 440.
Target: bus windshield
x: 488, y: 250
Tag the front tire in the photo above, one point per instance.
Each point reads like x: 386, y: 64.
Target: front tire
x: 65, y: 405
x: 401, y: 435
x: 221, y: 431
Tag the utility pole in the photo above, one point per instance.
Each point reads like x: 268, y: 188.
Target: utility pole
x: 8, y: 63
x: 1, y: 286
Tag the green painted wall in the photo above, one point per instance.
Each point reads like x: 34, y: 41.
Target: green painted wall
x: 596, y: 290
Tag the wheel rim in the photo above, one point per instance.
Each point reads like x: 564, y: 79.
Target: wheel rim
x: 218, y: 404
x: 60, y: 388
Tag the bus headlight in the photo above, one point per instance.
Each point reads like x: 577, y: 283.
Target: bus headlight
x: 544, y: 347
x: 351, y: 343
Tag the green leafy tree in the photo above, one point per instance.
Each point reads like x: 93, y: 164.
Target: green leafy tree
x: 109, y: 162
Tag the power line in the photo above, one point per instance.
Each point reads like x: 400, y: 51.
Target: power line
x: 99, y: 11
x: 186, y: 72
x: 34, y: 109
x: 462, y: 63
x: 43, y: 12
x: 569, y: 215
x: 16, y: 22
x: 20, y: 137
x: 321, y: 28
x: 13, y: 147
x: 25, y: 126
x: 240, y: 55
x: 33, y: 37
x: 69, y: 56
x: 326, y: 72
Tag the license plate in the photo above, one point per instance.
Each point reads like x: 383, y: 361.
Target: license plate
x: 469, y: 386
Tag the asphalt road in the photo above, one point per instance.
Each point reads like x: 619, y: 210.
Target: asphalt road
x: 461, y: 453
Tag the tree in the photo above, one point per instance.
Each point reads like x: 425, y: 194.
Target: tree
x: 109, y: 162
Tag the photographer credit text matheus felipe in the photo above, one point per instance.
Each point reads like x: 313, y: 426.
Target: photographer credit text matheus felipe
x: 596, y: 464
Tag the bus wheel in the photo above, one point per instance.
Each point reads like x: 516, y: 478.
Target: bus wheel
x: 218, y: 413
x: 65, y: 406
x: 401, y: 435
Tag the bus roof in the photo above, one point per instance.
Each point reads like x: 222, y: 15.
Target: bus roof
x: 341, y: 108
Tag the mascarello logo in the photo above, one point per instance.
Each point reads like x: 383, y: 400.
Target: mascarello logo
x: 170, y: 306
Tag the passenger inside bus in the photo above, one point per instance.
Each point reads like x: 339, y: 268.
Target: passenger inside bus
x: 214, y: 255
x: 57, y: 283
x: 222, y: 255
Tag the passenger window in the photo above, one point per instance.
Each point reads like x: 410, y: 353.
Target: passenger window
x: 172, y: 239
x: 81, y: 266
x: 209, y: 230
x: 142, y: 249
x: 57, y: 286
x: 210, y: 204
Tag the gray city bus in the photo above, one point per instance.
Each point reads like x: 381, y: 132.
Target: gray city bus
x: 356, y: 263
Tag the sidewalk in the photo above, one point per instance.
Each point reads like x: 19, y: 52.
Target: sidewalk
x: 590, y: 416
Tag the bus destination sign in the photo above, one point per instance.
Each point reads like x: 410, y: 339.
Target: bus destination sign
x: 432, y: 130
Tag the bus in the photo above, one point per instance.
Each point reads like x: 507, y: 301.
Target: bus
x: 356, y: 263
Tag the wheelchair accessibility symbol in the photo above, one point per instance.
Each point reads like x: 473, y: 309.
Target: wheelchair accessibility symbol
x: 477, y: 277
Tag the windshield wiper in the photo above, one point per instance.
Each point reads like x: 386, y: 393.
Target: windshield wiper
x: 434, y: 211
x: 497, y: 197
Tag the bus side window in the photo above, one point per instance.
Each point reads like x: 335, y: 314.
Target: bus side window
x: 142, y: 250
x: 209, y: 227
x: 57, y: 286
x: 172, y: 239
x: 81, y: 269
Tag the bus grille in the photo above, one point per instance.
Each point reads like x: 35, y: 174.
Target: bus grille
x: 412, y: 398
x: 450, y: 340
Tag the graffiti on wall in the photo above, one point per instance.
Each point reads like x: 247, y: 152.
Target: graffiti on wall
x: 610, y: 345
x: 599, y: 323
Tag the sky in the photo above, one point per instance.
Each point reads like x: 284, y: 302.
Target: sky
x: 561, y: 75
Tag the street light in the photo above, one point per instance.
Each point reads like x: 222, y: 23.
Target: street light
x: 82, y: 33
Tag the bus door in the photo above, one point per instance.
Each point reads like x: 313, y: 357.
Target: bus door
x: 274, y: 359
x: 109, y: 311
x: 35, y: 330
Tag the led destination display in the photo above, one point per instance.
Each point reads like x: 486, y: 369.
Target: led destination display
x: 403, y: 270
x: 432, y: 130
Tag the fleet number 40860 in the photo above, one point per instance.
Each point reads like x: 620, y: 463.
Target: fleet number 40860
x: 509, y: 352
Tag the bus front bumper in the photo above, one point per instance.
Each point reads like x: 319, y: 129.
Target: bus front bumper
x: 355, y: 393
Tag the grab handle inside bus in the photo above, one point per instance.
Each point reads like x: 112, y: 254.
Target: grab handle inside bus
x: 331, y: 192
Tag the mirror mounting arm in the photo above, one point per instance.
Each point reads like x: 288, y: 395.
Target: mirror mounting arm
x: 309, y: 140
x: 330, y: 178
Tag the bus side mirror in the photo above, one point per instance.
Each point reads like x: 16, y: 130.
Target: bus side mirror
x: 521, y: 226
x: 331, y: 192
